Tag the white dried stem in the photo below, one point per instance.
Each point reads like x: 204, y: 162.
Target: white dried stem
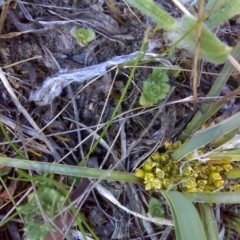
x: 105, y: 193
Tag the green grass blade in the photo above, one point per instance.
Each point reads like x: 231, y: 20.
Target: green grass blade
x: 207, y: 135
x: 154, y: 11
x: 215, y: 197
x: 209, y: 220
x: 233, y: 174
x: 10, y: 196
x: 222, y: 11
x: 5, y: 134
x: 211, y: 48
x: 210, y: 109
x: 68, y: 170
x: 185, y: 216
x: 232, y: 155
x: 233, y: 222
x: 228, y: 137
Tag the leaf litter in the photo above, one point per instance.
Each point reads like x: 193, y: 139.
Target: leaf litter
x: 37, y: 28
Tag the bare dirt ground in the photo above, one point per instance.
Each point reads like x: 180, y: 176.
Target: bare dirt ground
x: 36, y: 44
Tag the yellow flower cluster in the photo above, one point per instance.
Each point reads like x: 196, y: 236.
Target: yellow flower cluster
x: 160, y: 171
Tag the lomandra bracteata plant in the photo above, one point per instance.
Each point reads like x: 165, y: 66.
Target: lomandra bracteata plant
x: 160, y: 171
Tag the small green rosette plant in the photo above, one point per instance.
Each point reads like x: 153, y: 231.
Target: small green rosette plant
x: 155, y: 88
x: 83, y: 36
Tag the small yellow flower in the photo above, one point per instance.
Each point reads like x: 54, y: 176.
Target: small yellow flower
x: 148, y: 186
x: 168, y: 145
x: 214, y: 168
x: 201, y: 183
x: 227, y: 166
x: 174, y: 169
x: 167, y: 182
x: 164, y: 157
x: 167, y: 169
x: 176, y: 145
x: 187, y: 171
x: 189, y: 157
x: 140, y: 173
x: 160, y: 173
x: 149, y: 164
x: 189, y: 183
x: 218, y: 183
x: 214, y: 176
x: 156, y: 183
x: 156, y: 157
x: 196, y: 168
x: 149, y: 176
x: 204, y: 169
x: 219, y: 168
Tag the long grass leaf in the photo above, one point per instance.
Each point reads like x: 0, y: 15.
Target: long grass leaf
x: 211, y: 48
x: 215, y: 197
x: 68, y: 170
x: 222, y: 11
x: 233, y: 174
x: 207, y: 135
x: 209, y: 220
x: 154, y: 11
x: 185, y: 216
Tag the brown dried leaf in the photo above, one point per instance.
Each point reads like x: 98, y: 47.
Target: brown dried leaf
x: 14, y: 34
x: 11, y: 189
